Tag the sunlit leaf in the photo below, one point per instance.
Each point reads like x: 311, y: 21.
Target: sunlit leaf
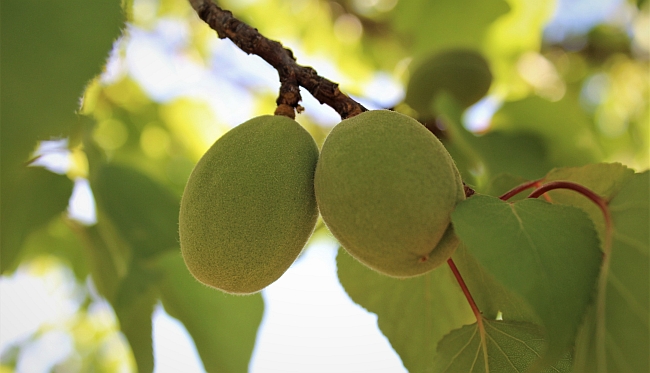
x: 37, y: 197
x: 144, y: 211
x: 535, y: 249
x: 497, y: 346
x: 223, y: 326
x: 414, y: 314
x: 616, y: 334
x: 431, y: 25
x: 515, y: 33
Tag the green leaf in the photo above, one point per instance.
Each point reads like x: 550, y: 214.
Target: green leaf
x: 414, y: 313
x: 497, y: 151
x: 510, y: 347
x: 144, y: 211
x: 547, y: 254
x: 511, y: 36
x: 50, y: 50
x: 566, y: 130
x: 134, y: 305
x: 106, y: 266
x: 37, y: 196
x: 605, y: 179
x: 57, y: 239
x: 431, y: 25
x: 223, y: 326
x: 616, y: 334
x: 491, y: 297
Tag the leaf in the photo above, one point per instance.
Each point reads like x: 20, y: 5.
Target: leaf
x: 509, y: 346
x: 431, y: 25
x: 605, y: 179
x: 37, y: 197
x: 144, y: 212
x: 520, y: 153
x: 57, y: 239
x: 106, y: 268
x: 50, y: 50
x: 511, y: 36
x: 223, y: 326
x: 414, y: 313
x: 566, y: 130
x: 616, y: 334
x: 134, y: 305
x: 547, y: 254
x: 491, y: 297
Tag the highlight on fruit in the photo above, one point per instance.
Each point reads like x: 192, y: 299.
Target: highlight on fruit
x: 249, y: 206
x: 386, y: 187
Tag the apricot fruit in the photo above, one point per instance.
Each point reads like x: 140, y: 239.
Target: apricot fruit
x: 462, y: 73
x: 386, y: 187
x: 249, y: 206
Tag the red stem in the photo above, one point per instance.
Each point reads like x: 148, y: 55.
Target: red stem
x: 463, y: 286
x: 518, y: 189
x: 595, y: 198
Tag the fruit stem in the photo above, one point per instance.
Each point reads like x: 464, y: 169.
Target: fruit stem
x: 468, y: 191
x: 468, y: 295
x: 520, y: 188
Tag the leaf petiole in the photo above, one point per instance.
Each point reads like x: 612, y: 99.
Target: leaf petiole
x: 472, y: 304
x: 520, y: 188
x: 463, y: 286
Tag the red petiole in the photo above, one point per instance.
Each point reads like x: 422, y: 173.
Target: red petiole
x: 463, y: 286
x: 520, y: 188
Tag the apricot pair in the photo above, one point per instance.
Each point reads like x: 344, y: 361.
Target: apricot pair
x: 385, y: 187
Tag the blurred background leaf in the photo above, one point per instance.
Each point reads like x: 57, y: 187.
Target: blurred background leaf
x: 223, y: 326
x: 144, y: 211
x: 39, y: 196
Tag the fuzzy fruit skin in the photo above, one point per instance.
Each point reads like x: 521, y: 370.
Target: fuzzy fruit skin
x: 385, y: 188
x: 249, y: 207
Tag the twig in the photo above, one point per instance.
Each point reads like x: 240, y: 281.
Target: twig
x: 292, y: 75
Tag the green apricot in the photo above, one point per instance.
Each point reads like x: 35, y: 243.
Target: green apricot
x: 386, y: 187
x: 462, y: 73
x: 249, y: 208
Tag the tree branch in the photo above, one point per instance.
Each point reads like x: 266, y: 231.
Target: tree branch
x: 292, y: 76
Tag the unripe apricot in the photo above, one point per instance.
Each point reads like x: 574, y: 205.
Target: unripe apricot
x: 385, y: 188
x: 249, y: 207
x: 462, y: 73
